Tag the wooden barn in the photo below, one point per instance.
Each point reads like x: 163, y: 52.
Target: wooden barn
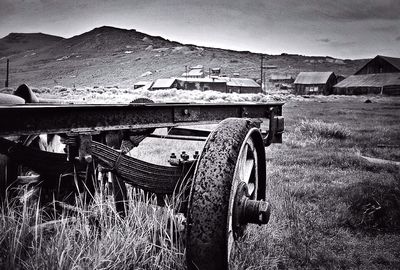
x: 309, y: 83
x: 381, y: 75
x: 380, y: 64
x: 380, y: 83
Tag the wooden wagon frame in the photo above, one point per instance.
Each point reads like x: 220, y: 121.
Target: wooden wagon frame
x: 224, y: 185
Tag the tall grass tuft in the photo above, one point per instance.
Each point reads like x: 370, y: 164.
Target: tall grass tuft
x: 318, y: 128
x: 90, y: 236
x: 315, y: 133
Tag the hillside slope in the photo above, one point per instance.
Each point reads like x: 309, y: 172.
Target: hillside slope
x: 16, y: 43
x: 110, y: 56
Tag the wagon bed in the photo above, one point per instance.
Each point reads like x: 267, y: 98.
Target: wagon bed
x: 223, y: 187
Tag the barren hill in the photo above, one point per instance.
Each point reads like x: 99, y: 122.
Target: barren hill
x: 112, y: 56
x: 15, y: 43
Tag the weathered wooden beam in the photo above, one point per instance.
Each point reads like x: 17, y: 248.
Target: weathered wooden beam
x: 36, y: 119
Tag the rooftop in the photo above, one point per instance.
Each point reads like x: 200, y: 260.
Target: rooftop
x: 194, y: 72
x: 242, y: 82
x: 281, y: 77
x: 370, y: 80
x: 391, y: 60
x: 163, y: 83
x: 206, y: 79
x: 312, y: 77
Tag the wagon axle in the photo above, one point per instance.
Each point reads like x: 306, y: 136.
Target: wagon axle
x: 247, y: 210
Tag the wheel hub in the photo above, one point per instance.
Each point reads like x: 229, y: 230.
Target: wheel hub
x: 247, y: 211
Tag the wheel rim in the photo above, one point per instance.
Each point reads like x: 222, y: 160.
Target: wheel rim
x: 230, y: 164
x: 246, y: 171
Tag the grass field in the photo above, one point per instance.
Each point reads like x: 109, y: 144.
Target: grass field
x: 331, y: 208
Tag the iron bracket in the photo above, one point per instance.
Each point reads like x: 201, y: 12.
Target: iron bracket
x: 276, y: 128
x: 186, y: 114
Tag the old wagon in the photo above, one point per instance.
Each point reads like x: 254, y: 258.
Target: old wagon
x: 223, y: 187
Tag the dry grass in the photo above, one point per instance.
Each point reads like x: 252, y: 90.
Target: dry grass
x: 331, y: 209
x: 90, y: 237
x: 318, y: 128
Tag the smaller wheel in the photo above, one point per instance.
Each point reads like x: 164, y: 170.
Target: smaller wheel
x: 229, y: 178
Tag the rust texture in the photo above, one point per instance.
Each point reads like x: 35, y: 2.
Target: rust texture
x: 39, y: 118
x: 209, y: 197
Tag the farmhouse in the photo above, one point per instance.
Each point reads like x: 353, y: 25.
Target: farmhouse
x: 164, y: 84
x: 381, y: 75
x: 202, y: 84
x: 314, y: 83
x: 242, y: 85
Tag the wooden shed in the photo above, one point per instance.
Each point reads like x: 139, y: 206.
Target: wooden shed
x: 243, y: 85
x: 309, y: 83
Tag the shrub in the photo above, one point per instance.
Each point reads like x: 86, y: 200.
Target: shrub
x: 317, y: 128
x: 374, y: 205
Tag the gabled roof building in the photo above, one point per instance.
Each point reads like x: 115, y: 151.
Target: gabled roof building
x: 380, y: 75
x: 308, y: 83
x: 380, y: 83
x: 380, y: 64
x: 242, y: 85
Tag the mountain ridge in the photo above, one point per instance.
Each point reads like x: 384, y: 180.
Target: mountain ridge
x: 113, y: 56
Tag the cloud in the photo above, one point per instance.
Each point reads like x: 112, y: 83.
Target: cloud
x: 398, y: 38
x: 384, y: 28
x: 355, y: 10
x: 324, y: 40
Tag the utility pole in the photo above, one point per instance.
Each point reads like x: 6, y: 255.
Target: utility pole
x: 186, y: 75
x: 7, y: 72
x: 262, y: 73
x: 261, y: 70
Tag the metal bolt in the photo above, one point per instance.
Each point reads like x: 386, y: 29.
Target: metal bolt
x: 184, y: 156
x: 196, y: 155
x: 257, y: 212
x: 173, y: 160
x: 88, y: 158
x: 264, y: 210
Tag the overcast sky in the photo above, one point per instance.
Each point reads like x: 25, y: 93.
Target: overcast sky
x: 339, y: 28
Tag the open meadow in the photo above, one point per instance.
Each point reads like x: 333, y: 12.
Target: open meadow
x: 332, y: 209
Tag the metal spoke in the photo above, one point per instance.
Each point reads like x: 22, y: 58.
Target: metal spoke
x: 248, y: 168
x: 231, y: 242
x: 241, y: 162
x: 251, y: 187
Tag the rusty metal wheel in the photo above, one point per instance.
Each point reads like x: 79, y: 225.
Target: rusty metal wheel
x: 229, y: 179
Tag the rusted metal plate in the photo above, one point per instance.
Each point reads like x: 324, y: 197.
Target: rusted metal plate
x: 188, y: 132
x: 36, y: 119
x: 186, y: 114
